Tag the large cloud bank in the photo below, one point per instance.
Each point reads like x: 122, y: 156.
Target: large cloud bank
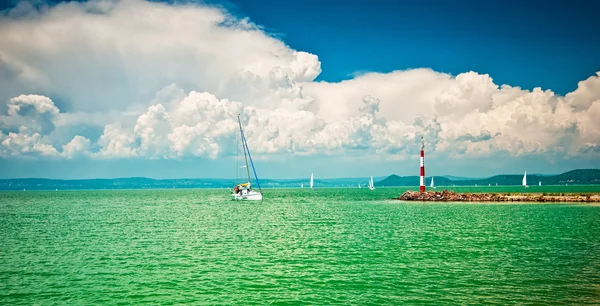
x: 115, y: 79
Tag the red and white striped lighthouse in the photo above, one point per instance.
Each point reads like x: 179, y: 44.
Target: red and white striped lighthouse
x: 422, y: 185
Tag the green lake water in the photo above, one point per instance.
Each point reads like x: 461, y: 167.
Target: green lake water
x: 326, y: 246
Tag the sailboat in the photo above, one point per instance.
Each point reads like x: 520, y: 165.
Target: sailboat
x: 371, y: 185
x: 301, y: 185
x: 540, y: 183
x: 432, y: 185
x: 312, y: 183
x: 244, y: 192
x: 358, y: 186
x: 525, y: 180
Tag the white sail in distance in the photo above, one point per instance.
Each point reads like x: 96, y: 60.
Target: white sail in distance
x: 371, y: 184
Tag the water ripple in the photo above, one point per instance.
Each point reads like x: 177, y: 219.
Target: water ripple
x: 316, y: 247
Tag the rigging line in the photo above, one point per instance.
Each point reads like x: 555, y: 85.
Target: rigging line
x: 237, y: 160
x: 245, y: 148
x: 251, y: 162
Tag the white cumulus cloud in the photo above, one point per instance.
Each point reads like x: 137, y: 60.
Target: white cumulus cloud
x: 79, y: 145
x: 141, y: 79
x: 25, y: 143
x: 104, y: 55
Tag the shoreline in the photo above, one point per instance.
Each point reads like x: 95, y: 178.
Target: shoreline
x: 451, y: 196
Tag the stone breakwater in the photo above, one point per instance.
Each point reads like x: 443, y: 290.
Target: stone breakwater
x: 451, y: 196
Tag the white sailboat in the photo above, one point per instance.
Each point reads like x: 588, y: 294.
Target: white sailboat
x: 540, y: 184
x: 371, y: 185
x: 312, y: 183
x: 244, y: 191
x: 358, y: 186
x: 301, y: 185
x: 525, y: 180
x: 432, y: 185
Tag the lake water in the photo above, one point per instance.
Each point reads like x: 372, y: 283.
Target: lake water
x: 327, y: 246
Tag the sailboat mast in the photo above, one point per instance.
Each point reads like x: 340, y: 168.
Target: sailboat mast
x: 244, y: 146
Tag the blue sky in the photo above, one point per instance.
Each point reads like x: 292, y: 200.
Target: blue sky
x: 552, y: 45
x: 134, y: 88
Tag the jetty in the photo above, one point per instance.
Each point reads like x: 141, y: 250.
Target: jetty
x: 451, y: 196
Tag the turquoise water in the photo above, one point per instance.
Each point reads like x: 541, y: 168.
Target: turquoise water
x: 327, y: 246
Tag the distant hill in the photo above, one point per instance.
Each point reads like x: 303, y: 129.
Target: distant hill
x: 459, y: 178
x: 573, y: 177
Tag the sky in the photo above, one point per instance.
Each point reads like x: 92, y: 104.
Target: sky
x: 136, y: 88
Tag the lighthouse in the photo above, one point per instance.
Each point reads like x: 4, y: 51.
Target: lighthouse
x: 422, y: 185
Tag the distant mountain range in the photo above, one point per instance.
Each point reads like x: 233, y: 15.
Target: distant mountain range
x: 573, y: 177
x: 148, y: 183
x: 576, y: 177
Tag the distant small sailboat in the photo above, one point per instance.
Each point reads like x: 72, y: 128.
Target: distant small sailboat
x: 540, y: 183
x: 525, y: 180
x: 358, y: 186
x: 371, y: 184
x: 301, y: 185
x: 489, y: 185
x: 432, y: 185
x: 312, y: 184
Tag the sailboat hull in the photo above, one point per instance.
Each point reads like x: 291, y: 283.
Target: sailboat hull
x: 251, y: 196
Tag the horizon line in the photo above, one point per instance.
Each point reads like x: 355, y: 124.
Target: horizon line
x: 301, y: 178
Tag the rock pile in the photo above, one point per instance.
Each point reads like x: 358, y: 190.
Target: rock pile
x: 451, y: 196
